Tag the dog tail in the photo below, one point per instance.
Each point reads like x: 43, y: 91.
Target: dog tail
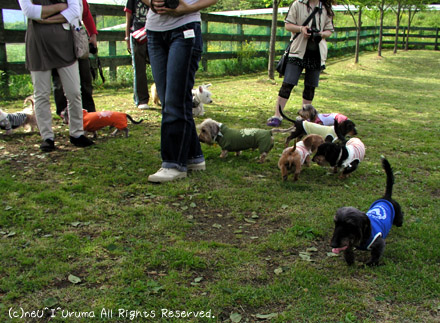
x: 390, y: 178
x: 29, y: 99
x: 291, y: 129
x: 283, y: 115
x: 133, y: 121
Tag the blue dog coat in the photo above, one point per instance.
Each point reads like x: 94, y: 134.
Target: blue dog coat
x: 381, y: 215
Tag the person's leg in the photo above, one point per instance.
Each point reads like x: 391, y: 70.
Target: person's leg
x: 311, y: 82
x: 85, y: 77
x: 42, y: 87
x: 174, y: 60
x: 140, y: 56
x: 291, y: 77
x: 58, y: 93
x: 71, y: 83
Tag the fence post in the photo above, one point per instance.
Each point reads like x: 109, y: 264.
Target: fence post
x: 3, y: 60
x: 436, y: 39
x: 240, y: 45
x: 205, y: 46
x: 112, y: 52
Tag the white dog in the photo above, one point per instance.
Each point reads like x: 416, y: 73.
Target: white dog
x: 201, y: 96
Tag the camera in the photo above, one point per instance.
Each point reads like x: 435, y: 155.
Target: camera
x: 172, y: 4
x: 314, y: 34
x: 92, y: 49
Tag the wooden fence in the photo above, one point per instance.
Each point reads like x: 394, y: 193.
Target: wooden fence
x: 341, y: 42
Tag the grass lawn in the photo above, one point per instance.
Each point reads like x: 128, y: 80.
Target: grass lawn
x: 82, y: 232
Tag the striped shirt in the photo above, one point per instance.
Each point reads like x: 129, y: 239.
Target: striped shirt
x: 356, y: 151
x: 13, y: 120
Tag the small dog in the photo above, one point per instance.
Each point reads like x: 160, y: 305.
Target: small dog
x: 293, y: 157
x: 236, y: 140
x: 302, y: 128
x: 367, y: 231
x: 154, y: 95
x: 25, y: 118
x: 94, y: 121
x: 201, y: 96
x: 346, y: 155
x: 309, y: 113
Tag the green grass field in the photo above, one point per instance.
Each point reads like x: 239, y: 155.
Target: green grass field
x: 82, y: 231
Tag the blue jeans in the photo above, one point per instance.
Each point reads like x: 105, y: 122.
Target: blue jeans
x: 174, y: 61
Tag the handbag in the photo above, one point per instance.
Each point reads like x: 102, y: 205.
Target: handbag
x: 282, y: 63
x: 140, y: 36
x: 80, y: 42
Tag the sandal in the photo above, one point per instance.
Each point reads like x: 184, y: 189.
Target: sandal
x: 274, y: 122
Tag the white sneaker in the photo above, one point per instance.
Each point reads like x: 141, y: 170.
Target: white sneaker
x: 166, y: 175
x: 143, y: 106
x: 198, y: 166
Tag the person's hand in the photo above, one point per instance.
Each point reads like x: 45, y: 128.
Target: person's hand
x: 127, y: 40
x: 158, y: 6
x: 93, y: 40
x: 304, y: 31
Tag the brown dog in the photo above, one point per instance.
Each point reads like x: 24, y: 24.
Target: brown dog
x: 294, y: 157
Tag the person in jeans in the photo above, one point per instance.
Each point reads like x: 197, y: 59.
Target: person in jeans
x: 85, y: 75
x: 175, y: 48
x: 306, y: 52
x: 49, y: 45
x: 135, y: 17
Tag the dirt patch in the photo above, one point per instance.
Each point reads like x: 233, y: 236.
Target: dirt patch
x: 219, y: 225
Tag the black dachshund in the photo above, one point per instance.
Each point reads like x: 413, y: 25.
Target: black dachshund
x: 345, y: 155
x: 367, y: 231
x: 328, y: 133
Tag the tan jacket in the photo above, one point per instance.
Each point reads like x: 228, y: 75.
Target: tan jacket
x: 298, y: 13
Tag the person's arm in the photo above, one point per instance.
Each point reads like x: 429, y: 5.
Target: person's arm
x: 294, y: 29
x: 128, y: 17
x: 38, y: 12
x: 182, y: 9
x: 57, y: 19
x: 89, y: 23
x: 73, y: 11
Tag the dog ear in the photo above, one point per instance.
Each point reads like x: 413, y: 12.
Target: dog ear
x: 200, y: 89
x: 338, y: 132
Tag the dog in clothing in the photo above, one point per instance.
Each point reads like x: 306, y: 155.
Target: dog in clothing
x: 309, y: 113
x: 302, y: 128
x: 94, y: 121
x: 236, y: 140
x: 367, y: 231
x: 344, y: 156
x: 25, y: 118
x: 294, y: 157
x: 201, y: 96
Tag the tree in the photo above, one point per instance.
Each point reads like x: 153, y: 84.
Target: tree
x: 273, y: 36
x: 398, y: 12
x: 359, y: 5
x: 413, y: 7
x: 382, y: 6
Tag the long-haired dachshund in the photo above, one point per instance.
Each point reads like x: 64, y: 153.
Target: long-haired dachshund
x: 367, y: 231
x: 345, y: 155
x: 309, y: 113
x: 302, y: 128
x: 294, y: 157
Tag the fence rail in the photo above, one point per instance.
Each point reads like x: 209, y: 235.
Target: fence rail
x: 341, y: 42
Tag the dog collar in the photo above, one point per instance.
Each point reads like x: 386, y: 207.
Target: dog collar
x: 219, y: 132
